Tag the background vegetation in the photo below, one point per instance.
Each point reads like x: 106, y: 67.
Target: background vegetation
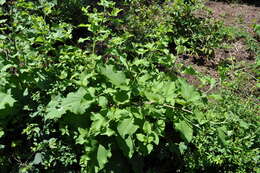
x: 97, y: 86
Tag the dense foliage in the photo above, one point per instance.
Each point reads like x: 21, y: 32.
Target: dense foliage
x: 93, y: 86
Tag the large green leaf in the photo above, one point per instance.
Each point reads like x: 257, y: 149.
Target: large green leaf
x: 116, y: 78
x: 126, y: 127
x: 169, y: 91
x: 188, y: 92
x: 77, y: 102
x: 185, y: 129
x: 6, y: 100
x: 147, y: 127
x: 102, y: 156
x: 161, y: 91
x: 153, y: 97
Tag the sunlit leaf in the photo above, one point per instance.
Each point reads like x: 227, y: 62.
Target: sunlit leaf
x: 102, y: 156
x: 185, y: 129
x: 117, y: 78
x: 77, y: 102
x: 126, y: 127
x: 6, y: 100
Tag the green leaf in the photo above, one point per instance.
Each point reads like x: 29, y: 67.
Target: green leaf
x: 160, y: 126
x: 222, y: 135
x: 141, y: 137
x: 116, y: 78
x: 115, y: 11
x: 189, y: 70
x: 6, y: 100
x: 1, y: 133
x: 147, y: 127
x: 2, y: 37
x: 149, y: 148
x: 188, y: 92
x: 200, y: 117
x: 182, y: 147
x: 102, y: 156
x: 126, y: 127
x: 244, y: 124
x: 98, y: 122
x: 153, y: 97
x: 126, y: 145
x: 2, y: 2
x: 185, y: 129
x: 121, y: 97
x: 168, y: 90
x: 37, y: 159
x: 102, y: 101
x: 117, y: 114
x: 155, y: 137
x: 54, y: 109
x: 77, y: 102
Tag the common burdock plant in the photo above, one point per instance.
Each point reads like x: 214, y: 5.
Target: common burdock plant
x: 101, y: 94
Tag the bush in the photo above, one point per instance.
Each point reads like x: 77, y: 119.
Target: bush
x: 100, y: 94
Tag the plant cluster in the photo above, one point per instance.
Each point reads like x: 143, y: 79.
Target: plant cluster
x: 99, y: 92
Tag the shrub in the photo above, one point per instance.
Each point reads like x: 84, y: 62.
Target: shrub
x: 107, y: 98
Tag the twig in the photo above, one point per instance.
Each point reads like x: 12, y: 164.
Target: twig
x: 185, y: 110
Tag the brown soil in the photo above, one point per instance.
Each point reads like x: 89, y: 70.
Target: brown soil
x: 236, y: 15
x: 240, y: 16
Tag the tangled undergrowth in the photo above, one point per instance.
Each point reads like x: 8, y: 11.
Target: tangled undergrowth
x: 94, y: 86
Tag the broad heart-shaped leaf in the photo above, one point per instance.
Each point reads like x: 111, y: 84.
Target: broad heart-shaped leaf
x: 188, y: 92
x: 116, y: 78
x: 126, y: 127
x: 154, y: 97
x: 169, y: 91
x: 6, y: 100
x: 161, y: 91
x: 185, y: 129
x: 77, y: 102
x: 102, y: 156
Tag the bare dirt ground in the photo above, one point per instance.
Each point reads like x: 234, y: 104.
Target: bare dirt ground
x: 236, y: 15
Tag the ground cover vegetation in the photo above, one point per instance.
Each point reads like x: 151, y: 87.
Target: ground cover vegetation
x: 97, y: 86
